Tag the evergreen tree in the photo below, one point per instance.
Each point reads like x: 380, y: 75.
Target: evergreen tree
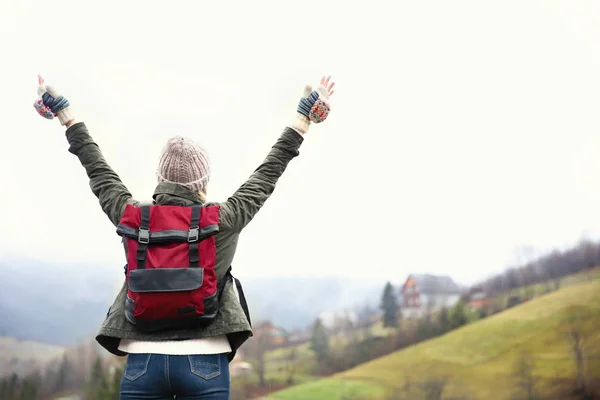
x: 444, y: 320
x: 425, y: 329
x: 97, y: 373
x: 62, y: 378
x: 4, y: 388
x: 320, y: 341
x: 104, y: 391
x: 34, y: 388
x: 458, y: 315
x: 28, y: 390
x: 483, y: 314
x: 389, y: 306
x: 11, y: 391
x: 115, y: 386
x: 97, y: 387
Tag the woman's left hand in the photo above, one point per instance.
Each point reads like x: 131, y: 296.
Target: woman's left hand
x: 325, y: 88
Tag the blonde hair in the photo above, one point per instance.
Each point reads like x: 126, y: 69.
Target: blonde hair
x: 202, y: 196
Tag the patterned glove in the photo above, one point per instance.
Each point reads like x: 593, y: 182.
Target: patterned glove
x: 313, y: 106
x: 50, y: 104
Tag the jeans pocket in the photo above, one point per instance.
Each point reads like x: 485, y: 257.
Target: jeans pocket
x: 205, y: 366
x: 136, y: 366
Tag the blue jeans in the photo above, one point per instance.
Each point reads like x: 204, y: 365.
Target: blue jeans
x: 162, y: 377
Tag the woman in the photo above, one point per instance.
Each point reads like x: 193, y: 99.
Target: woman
x: 185, y: 363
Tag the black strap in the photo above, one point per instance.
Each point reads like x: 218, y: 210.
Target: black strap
x: 125, y: 248
x: 194, y: 235
x: 221, y: 284
x: 238, y: 285
x: 243, y: 301
x: 169, y: 235
x: 143, y: 237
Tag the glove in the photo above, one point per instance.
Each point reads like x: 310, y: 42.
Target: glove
x: 50, y: 104
x: 313, y: 106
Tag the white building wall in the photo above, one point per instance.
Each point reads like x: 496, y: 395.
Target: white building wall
x: 430, y: 303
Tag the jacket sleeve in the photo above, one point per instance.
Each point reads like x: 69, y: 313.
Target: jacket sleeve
x: 245, y: 203
x: 104, y: 182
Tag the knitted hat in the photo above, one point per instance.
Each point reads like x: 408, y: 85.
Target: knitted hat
x: 185, y: 163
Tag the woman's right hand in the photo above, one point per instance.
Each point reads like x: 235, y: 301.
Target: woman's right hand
x: 51, y: 104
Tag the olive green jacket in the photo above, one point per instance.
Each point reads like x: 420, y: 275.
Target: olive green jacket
x: 234, y: 215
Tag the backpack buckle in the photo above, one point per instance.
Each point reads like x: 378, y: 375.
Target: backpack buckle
x: 144, y: 236
x: 193, y: 234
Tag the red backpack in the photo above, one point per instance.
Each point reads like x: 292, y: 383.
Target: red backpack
x: 170, y: 271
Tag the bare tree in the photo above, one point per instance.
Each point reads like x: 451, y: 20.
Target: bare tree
x: 433, y: 388
x: 524, y: 377
x: 256, y: 349
x: 577, y: 325
x: 524, y: 256
x: 291, y: 364
x: 579, y: 358
x: 552, y: 266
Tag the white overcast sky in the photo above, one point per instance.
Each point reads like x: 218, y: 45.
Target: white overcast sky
x: 460, y: 130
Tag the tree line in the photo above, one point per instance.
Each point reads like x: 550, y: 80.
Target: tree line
x: 547, y: 269
x: 360, y: 344
x: 70, y: 374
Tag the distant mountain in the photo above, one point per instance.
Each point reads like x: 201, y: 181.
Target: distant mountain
x: 295, y: 302
x: 65, y: 304
x: 52, y: 303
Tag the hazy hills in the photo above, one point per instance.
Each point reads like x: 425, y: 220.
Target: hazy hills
x: 64, y: 304
x: 50, y: 303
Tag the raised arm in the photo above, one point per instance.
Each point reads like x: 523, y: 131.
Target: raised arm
x: 245, y: 203
x: 104, y: 182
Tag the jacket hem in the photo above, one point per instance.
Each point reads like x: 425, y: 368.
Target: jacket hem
x: 109, y: 338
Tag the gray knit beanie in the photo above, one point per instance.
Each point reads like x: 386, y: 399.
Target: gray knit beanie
x: 185, y: 163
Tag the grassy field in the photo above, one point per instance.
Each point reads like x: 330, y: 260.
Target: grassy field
x: 478, y: 361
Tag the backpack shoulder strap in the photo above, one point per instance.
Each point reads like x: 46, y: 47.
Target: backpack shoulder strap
x: 194, y: 235
x: 223, y: 282
x: 143, y: 237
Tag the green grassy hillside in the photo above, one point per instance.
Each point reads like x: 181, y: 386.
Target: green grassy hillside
x: 478, y: 361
